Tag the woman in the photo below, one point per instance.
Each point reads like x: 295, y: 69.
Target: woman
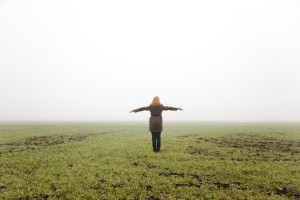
x: 155, y: 122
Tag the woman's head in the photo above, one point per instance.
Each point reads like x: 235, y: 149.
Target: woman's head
x: 155, y: 101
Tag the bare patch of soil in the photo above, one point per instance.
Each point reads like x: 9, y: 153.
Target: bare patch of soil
x: 144, y: 163
x: 248, y: 147
x: 2, y: 187
x: 168, y: 174
x: 204, y: 179
x: 118, y: 185
x: 187, y: 185
x: 262, y: 143
x: 146, y: 186
x: 287, y: 192
x: 201, y: 180
x: 40, y: 142
x: 153, y: 198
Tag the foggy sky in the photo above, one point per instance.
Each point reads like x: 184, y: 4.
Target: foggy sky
x: 97, y: 60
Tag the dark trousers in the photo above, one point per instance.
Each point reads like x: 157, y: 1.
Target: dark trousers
x: 156, y: 141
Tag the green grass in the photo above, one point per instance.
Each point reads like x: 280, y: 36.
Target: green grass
x: 115, y: 161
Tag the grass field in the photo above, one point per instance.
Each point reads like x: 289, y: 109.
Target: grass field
x: 115, y: 161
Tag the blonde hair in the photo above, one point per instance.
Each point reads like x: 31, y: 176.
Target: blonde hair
x: 155, y: 101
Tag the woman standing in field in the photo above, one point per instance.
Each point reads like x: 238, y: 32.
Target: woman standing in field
x: 155, y: 121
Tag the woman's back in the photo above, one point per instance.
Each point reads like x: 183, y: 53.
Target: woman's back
x: 156, y: 110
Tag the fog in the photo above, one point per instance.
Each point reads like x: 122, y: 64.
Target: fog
x: 236, y: 61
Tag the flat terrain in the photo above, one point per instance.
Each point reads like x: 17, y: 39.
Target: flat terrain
x: 115, y: 161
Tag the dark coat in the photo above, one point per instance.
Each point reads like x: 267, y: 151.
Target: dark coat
x: 155, y: 121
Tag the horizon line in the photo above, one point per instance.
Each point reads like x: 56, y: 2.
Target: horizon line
x: 136, y: 121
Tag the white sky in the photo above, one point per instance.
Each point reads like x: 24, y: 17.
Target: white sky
x: 97, y: 60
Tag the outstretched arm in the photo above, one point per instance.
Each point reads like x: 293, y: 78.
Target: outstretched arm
x: 140, y: 109
x: 172, y: 108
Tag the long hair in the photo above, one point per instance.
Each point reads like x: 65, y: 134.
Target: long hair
x: 155, y: 101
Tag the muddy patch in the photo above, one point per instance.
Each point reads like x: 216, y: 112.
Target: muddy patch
x: 201, y: 180
x: 219, y: 185
x: 54, y: 140
x: 184, y: 175
x: 147, y: 187
x: 197, y: 150
x: 222, y: 185
x: 284, y: 191
x: 118, y: 185
x: 40, y: 142
x: 153, y: 198
x: 207, y: 179
x: 2, y: 187
x: 187, y: 185
x: 205, y: 152
x: 247, y: 147
x: 99, y: 186
x: 39, y: 196
x: 259, y: 142
x: 149, y: 165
